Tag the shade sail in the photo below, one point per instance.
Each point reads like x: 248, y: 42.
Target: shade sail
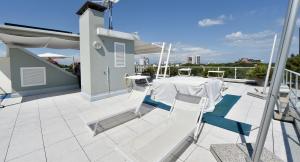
x: 38, y: 42
x: 141, y: 47
x: 28, y: 37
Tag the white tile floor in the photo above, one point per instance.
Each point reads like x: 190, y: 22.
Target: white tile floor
x: 48, y: 128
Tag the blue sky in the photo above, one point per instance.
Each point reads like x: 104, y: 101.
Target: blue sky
x: 219, y: 31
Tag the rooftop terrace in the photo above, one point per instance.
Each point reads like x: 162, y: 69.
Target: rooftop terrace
x: 48, y: 128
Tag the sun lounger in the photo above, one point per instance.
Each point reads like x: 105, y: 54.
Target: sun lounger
x: 131, y: 102
x: 158, y: 143
x: 163, y: 90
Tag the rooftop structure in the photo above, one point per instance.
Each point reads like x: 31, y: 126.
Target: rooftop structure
x: 49, y: 127
x: 46, y: 116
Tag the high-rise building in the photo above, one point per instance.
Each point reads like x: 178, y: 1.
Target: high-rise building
x: 197, y: 60
x: 193, y: 60
x: 143, y: 61
x: 190, y: 60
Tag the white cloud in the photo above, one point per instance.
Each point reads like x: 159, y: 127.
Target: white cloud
x: 259, y: 40
x: 210, y: 22
x: 193, y: 50
x: 207, y: 22
x: 181, y: 51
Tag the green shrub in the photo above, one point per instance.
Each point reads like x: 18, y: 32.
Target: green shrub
x: 260, y: 71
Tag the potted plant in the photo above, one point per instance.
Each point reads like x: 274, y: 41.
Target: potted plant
x: 258, y: 74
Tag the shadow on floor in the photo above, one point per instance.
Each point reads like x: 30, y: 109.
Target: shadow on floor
x: 112, y: 122
x: 35, y: 97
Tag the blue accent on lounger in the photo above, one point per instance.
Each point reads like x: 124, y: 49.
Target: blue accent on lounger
x: 231, y: 125
x: 217, y: 117
x: 3, y: 96
x: 151, y: 102
x: 224, y: 106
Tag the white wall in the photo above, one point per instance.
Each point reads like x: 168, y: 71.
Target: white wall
x: 5, y: 81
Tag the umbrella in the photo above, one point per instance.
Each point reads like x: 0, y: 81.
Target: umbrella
x: 52, y: 56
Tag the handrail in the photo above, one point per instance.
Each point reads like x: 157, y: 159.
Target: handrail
x: 225, y: 67
x: 292, y: 72
x: 141, y: 68
x: 292, y: 80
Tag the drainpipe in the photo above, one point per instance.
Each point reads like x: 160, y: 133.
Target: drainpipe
x: 108, y: 78
x: 283, y: 51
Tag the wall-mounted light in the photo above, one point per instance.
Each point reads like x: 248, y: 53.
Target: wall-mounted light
x: 97, y: 45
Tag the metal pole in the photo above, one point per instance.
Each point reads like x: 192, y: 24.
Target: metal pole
x: 167, y: 62
x: 283, y: 51
x: 297, y: 87
x: 290, y: 85
x: 235, y: 69
x: 270, y: 65
x: 110, y: 15
x: 160, y: 59
x: 108, y: 78
x: 286, y: 77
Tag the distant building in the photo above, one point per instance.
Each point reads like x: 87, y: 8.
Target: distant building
x: 248, y: 61
x: 193, y: 60
x: 190, y: 60
x: 147, y: 61
x: 197, y: 60
x: 143, y: 61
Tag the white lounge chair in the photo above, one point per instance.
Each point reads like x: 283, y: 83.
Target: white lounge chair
x: 158, y: 143
x: 131, y: 102
x: 186, y: 70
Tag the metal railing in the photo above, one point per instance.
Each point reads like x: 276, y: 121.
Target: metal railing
x: 234, y: 72
x: 291, y: 79
x: 230, y: 72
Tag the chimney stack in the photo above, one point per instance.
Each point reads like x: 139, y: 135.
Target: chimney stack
x: 96, y: 10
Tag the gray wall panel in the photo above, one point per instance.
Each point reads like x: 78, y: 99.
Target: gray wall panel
x: 55, y: 77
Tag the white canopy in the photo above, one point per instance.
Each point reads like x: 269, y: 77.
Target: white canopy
x: 39, y: 42
x: 141, y: 47
x: 34, y: 37
x: 52, y: 55
x: 43, y: 38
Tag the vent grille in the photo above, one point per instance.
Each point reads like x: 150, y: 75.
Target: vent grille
x: 120, y: 55
x: 33, y: 76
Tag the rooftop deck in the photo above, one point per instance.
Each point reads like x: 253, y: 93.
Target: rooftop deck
x: 48, y: 128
